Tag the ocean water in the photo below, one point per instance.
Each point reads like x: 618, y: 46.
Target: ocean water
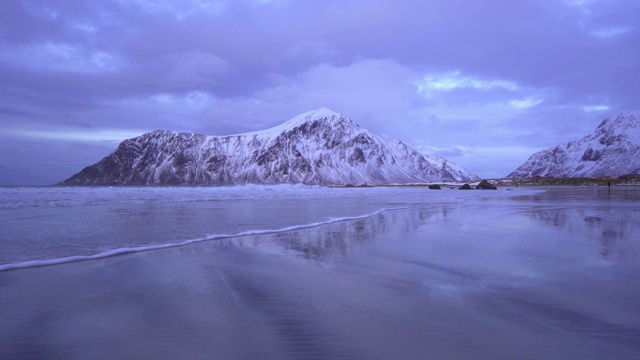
x: 294, y: 272
x: 46, y: 225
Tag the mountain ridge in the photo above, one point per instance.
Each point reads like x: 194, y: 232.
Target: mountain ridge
x: 319, y: 147
x: 612, y: 149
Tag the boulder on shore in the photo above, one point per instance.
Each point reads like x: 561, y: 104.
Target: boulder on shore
x: 485, y: 185
x: 435, y: 187
x: 465, y: 187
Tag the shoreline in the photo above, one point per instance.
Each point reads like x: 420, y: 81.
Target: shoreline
x: 624, y: 180
x: 411, y: 283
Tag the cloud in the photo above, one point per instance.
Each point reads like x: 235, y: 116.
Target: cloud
x: 469, y: 79
x: 57, y: 56
x: 611, y: 32
x: 192, y: 101
x: 525, y: 103
x: 434, y: 83
x: 591, y: 108
x: 447, y: 153
x: 181, y: 9
x: 86, y: 135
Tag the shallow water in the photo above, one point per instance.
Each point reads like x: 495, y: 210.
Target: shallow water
x: 490, y: 275
x: 55, y: 223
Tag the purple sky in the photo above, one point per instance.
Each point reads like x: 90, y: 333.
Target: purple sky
x: 483, y: 83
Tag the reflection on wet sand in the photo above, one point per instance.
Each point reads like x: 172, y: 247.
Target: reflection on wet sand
x: 490, y: 279
x: 615, y: 229
x: 338, y: 240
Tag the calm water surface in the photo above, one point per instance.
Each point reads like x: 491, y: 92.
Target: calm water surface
x: 437, y: 275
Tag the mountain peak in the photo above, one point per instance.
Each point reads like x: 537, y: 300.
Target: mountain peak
x: 317, y: 114
x: 319, y: 147
x: 626, y: 125
x: 613, y: 149
x: 309, y: 116
x: 322, y: 112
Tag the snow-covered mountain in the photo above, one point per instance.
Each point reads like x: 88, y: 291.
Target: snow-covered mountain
x: 458, y: 172
x: 319, y: 147
x: 613, y: 149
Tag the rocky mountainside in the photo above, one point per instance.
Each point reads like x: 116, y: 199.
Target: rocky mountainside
x: 458, y: 172
x: 320, y: 147
x: 613, y: 149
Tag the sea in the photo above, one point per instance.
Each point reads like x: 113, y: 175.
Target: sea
x: 310, y: 272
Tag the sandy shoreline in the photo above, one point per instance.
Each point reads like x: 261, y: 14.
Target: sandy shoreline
x: 528, y: 278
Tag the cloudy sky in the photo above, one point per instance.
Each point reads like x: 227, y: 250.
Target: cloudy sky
x: 483, y: 83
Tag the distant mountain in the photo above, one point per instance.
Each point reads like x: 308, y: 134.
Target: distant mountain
x: 613, y: 149
x: 458, y: 172
x: 320, y: 147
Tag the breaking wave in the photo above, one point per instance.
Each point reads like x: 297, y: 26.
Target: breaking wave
x: 135, y: 249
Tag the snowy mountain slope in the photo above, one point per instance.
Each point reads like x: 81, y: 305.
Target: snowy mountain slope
x: 457, y: 171
x: 318, y: 147
x: 613, y: 149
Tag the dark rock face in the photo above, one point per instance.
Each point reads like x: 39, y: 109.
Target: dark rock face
x: 591, y: 155
x: 465, y: 187
x: 485, y: 185
x: 435, y: 187
x: 613, y: 149
x: 315, y: 148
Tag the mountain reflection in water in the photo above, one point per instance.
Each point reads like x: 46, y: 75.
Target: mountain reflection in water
x: 552, y: 275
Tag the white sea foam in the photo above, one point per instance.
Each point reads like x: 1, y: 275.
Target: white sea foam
x: 51, y: 225
x: 127, y: 250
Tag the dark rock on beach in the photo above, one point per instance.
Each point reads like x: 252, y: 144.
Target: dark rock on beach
x: 485, y: 185
x: 465, y: 187
x: 435, y: 187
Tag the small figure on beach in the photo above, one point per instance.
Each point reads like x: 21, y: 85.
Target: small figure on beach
x: 609, y: 184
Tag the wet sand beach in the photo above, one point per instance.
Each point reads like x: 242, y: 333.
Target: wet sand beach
x: 506, y: 276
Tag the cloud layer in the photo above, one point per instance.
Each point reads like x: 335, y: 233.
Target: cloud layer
x: 483, y: 83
